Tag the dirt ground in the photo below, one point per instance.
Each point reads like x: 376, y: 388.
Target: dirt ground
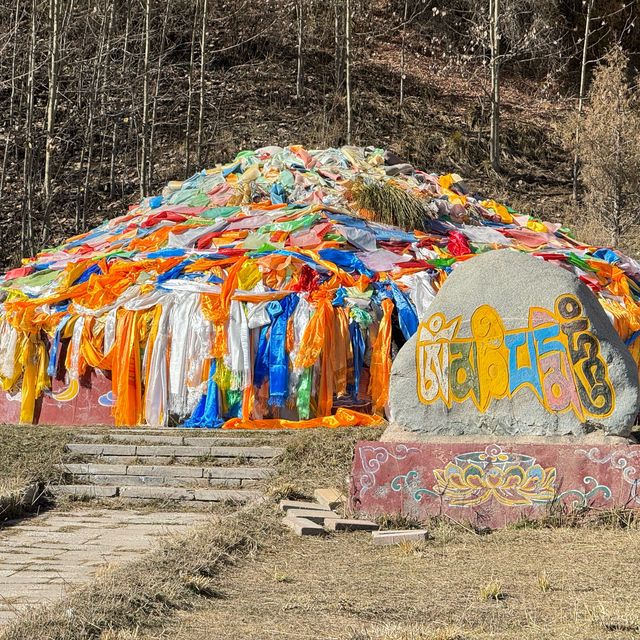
x: 552, y: 583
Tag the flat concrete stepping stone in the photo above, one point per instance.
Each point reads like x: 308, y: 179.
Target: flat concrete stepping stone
x: 87, y: 468
x: 315, y: 515
x: 144, y: 438
x: 303, y: 526
x: 344, y: 524
x: 224, y: 495
x: 286, y: 505
x: 156, y: 493
x: 384, y: 538
x: 329, y: 498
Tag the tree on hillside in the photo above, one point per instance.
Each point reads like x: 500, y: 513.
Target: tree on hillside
x: 494, y: 30
x: 609, y: 147
x: 581, y: 96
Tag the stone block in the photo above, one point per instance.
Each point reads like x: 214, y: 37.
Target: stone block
x: 171, y: 451
x: 102, y: 469
x: 460, y: 374
x: 147, y: 439
x: 384, y: 538
x: 246, y: 452
x: 244, y: 473
x: 168, y: 471
x: 302, y: 526
x: 157, y: 493
x: 315, y: 515
x: 118, y: 450
x: 84, y: 490
x: 84, y: 448
x: 330, y: 498
x: 205, y: 441
x: 143, y: 460
x: 285, y: 505
x: 344, y: 524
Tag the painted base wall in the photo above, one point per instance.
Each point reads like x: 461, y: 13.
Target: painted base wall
x: 89, y: 405
x: 491, y: 484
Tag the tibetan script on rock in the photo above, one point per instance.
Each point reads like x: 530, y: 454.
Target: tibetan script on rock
x: 556, y: 356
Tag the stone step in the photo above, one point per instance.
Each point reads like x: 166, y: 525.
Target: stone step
x: 172, y: 451
x: 162, y: 481
x: 189, y: 430
x: 202, y: 441
x: 199, y: 495
x: 83, y: 490
x: 161, y: 461
x: 156, y: 493
x: 171, y: 471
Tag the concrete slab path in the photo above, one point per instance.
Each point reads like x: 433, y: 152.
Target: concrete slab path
x: 40, y: 557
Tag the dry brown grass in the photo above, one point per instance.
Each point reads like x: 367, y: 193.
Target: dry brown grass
x: 28, y: 458
x: 411, y: 632
x: 343, y: 588
x: 31, y: 453
x: 320, y: 457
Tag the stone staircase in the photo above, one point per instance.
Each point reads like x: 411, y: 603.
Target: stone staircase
x: 166, y: 465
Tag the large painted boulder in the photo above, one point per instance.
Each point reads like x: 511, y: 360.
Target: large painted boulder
x: 514, y: 346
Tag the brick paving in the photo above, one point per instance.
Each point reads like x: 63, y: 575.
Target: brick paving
x: 42, y: 556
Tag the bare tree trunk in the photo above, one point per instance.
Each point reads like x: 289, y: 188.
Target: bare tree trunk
x: 144, y: 186
x: 617, y: 212
x: 112, y: 163
x: 338, y: 42
x: 402, y: 48
x: 187, y: 136
x: 26, y: 230
x: 299, y: 74
x: 93, y: 99
x: 581, y: 97
x: 54, y: 17
x: 494, y: 142
x: 104, y: 93
x: 156, y: 90
x: 5, y: 158
x: 347, y: 46
x: 202, y: 66
x: 114, y: 132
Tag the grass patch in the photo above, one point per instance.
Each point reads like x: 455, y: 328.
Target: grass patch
x: 491, y: 591
x: 321, y: 457
x: 544, y: 584
x: 398, y: 521
x: 603, y: 618
x: 30, y: 453
x: 561, y: 517
x: 411, y: 632
x: 29, y: 459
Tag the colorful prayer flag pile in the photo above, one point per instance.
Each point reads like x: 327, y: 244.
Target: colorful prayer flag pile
x: 260, y: 294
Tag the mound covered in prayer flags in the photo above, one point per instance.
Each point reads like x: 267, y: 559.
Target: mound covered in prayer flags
x: 269, y: 291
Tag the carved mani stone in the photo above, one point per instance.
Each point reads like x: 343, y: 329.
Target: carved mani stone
x: 514, y: 346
